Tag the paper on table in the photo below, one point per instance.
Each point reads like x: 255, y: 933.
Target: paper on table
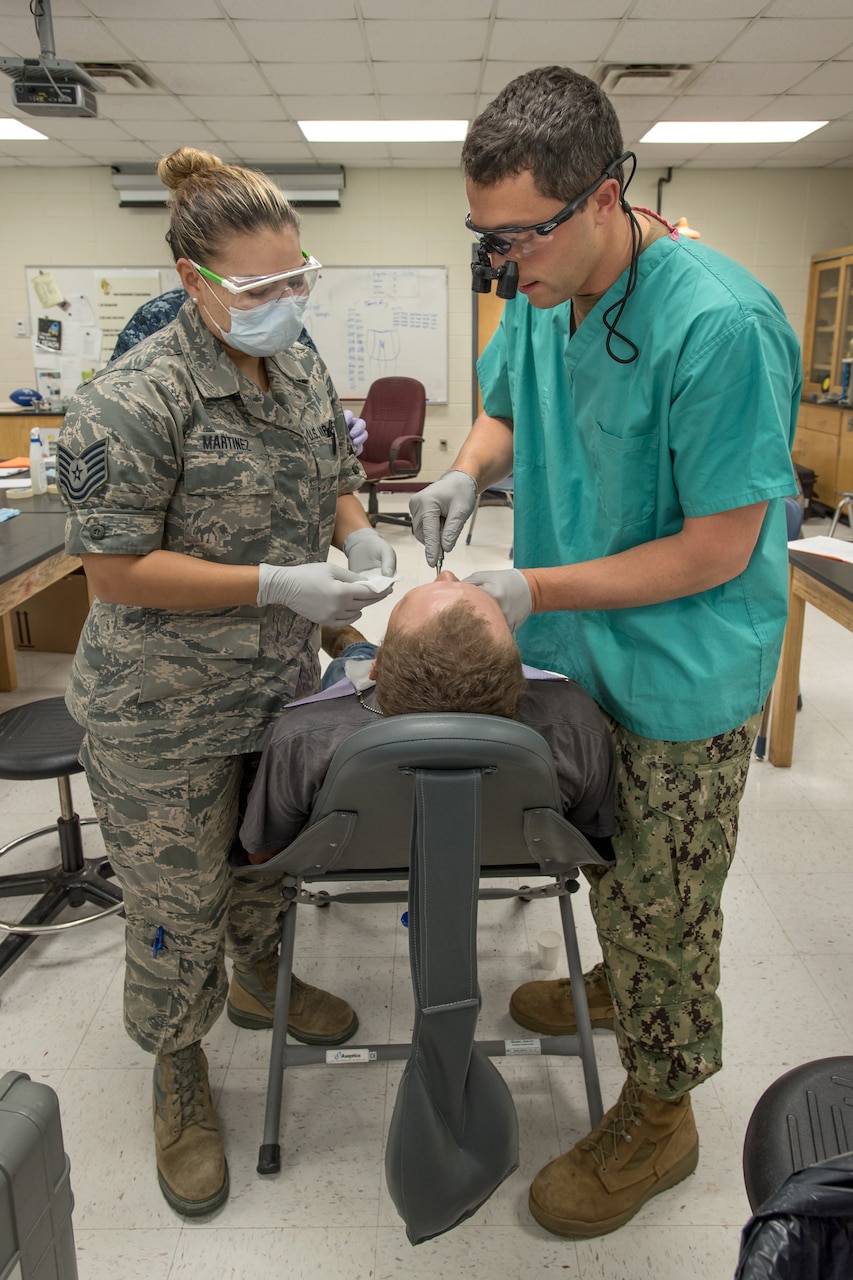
x: 830, y: 548
x: 6, y: 482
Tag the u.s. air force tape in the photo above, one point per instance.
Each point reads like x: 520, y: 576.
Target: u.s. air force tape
x: 83, y: 473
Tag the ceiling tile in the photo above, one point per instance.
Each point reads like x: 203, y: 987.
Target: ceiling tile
x: 550, y: 42
x: 834, y: 77
x: 154, y: 9
x: 805, y: 108
x: 673, y: 41
x: 317, y: 78
x: 441, y: 106
x: 139, y: 106
x: 233, y: 108
x: 81, y: 39
x: 548, y: 10
x: 749, y: 77
x: 731, y: 108
x: 237, y: 132
x: 272, y: 152
x: 434, y: 41
x: 164, y: 137
x: 439, y: 10
x: 326, y: 108
x: 444, y: 154
x: 180, y: 41
x: 118, y: 152
x: 339, y: 41
x: 219, y: 76
x: 640, y: 107
x: 427, y: 77
x: 794, y: 8
x: 499, y: 72
x: 73, y: 128
x: 790, y: 39
x: 321, y: 10
x: 691, y: 9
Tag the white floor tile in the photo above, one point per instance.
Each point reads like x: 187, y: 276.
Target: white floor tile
x: 787, y: 979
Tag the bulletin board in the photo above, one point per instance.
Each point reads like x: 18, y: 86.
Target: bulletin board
x: 374, y: 322
x: 76, y: 314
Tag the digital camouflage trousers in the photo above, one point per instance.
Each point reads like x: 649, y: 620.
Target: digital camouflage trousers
x: 168, y: 827
x: 657, y: 909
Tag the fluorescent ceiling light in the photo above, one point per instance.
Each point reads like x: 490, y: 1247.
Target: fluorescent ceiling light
x: 384, y: 130
x: 17, y: 131
x: 709, y: 131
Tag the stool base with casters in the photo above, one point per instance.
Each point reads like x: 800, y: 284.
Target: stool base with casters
x: 41, y: 740
x: 844, y: 507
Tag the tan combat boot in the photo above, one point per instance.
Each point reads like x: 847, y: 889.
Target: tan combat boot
x: 314, y: 1017
x: 643, y: 1145
x: 548, y: 1007
x: 191, y: 1165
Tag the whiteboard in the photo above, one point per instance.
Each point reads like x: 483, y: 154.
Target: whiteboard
x: 375, y: 322
x: 76, y: 314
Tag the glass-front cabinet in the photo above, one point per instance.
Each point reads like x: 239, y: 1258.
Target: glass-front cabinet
x: 829, y: 321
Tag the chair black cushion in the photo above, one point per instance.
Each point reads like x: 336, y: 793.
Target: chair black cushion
x: 804, y: 1117
x: 39, y: 740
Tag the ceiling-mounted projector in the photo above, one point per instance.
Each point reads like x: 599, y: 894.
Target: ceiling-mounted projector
x: 47, y: 85
x: 54, y: 98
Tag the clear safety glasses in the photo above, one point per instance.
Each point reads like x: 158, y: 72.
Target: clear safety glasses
x: 519, y: 241
x: 297, y: 281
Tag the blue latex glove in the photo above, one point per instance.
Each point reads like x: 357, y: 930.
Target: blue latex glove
x: 509, y: 587
x: 357, y: 428
x: 366, y: 549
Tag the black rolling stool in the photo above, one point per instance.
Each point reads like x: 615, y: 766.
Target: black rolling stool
x: 41, y: 740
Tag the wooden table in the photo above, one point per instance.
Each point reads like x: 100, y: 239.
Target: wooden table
x: 828, y: 585
x: 32, y: 557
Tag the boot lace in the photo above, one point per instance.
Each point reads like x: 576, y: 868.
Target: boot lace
x: 627, y: 1115
x: 189, y: 1084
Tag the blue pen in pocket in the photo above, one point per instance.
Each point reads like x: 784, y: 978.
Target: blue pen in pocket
x: 158, y: 941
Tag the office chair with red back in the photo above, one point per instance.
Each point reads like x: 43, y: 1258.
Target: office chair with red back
x: 394, y: 411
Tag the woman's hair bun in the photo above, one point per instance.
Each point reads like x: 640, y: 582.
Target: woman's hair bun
x: 185, y: 163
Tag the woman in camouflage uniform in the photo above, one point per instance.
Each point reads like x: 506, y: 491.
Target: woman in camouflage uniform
x: 207, y: 472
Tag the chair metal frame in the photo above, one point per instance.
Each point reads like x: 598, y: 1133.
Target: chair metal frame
x: 389, y: 757
x: 75, y: 879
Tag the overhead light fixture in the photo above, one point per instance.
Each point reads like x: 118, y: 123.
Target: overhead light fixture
x: 714, y: 131
x: 17, y: 131
x: 319, y: 187
x: 384, y: 130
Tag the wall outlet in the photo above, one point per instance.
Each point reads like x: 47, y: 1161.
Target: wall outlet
x: 21, y: 327
x: 442, y: 444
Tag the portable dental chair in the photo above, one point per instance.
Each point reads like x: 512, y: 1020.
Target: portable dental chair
x: 440, y: 800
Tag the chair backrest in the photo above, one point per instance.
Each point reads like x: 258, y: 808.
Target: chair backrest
x: 394, y: 407
x: 363, y: 817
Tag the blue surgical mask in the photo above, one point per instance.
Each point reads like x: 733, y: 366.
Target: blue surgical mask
x: 264, y: 330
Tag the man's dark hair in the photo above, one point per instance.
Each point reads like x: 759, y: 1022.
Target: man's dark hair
x: 551, y: 121
x: 454, y: 662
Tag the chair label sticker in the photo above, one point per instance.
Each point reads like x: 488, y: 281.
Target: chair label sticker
x: 336, y: 1057
x: 531, y: 1048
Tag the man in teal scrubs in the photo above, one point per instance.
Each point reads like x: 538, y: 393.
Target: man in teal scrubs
x: 643, y: 390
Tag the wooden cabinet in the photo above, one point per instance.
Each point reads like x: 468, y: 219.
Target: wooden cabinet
x: 824, y: 442
x: 829, y: 319
x: 15, y: 431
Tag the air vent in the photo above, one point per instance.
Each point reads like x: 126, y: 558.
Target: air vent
x: 646, y: 77
x: 121, y: 77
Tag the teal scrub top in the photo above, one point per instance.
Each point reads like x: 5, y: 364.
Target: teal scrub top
x: 608, y: 456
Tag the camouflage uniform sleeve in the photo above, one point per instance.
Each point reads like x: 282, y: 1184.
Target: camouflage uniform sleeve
x: 352, y: 474
x: 118, y: 461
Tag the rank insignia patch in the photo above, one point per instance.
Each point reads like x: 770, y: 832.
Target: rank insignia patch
x: 81, y: 475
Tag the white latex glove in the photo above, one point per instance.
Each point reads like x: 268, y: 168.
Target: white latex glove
x: 440, y: 510
x: 366, y: 549
x: 357, y: 428
x: 509, y: 587
x: 323, y: 593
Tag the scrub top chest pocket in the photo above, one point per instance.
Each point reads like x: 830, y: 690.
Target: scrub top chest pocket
x: 627, y: 469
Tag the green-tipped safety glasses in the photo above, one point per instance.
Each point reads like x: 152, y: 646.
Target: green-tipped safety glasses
x: 298, y: 280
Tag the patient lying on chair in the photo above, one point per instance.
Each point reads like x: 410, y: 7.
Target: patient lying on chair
x: 447, y: 647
